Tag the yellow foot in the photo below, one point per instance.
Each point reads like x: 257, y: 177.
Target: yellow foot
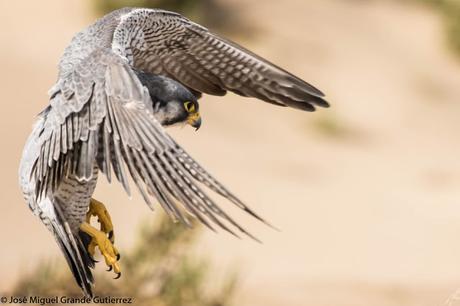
x: 99, y: 239
x: 98, y: 209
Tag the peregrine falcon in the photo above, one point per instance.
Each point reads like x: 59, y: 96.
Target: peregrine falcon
x: 121, y: 81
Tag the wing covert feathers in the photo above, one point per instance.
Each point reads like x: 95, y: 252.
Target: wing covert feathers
x: 100, y: 114
x: 113, y: 128
x: 167, y: 43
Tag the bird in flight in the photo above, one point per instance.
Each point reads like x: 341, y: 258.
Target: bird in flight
x: 121, y: 81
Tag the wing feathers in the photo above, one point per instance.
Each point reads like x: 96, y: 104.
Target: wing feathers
x: 171, y: 45
x: 120, y: 133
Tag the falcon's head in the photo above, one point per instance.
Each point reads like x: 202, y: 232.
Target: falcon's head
x: 177, y: 111
x: 172, y: 102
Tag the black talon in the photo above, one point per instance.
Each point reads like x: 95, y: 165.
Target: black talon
x: 118, y: 276
x: 118, y: 257
x: 110, y: 269
x: 110, y: 235
x: 92, y: 259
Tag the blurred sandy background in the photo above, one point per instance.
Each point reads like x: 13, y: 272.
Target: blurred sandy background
x: 366, y: 193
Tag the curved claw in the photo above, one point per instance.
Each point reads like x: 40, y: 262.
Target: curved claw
x: 109, y: 269
x: 118, y: 257
x: 111, y: 237
x: 118, y: 276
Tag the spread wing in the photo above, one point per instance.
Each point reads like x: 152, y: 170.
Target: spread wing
x: 166, y: 43
x: 100, y: 115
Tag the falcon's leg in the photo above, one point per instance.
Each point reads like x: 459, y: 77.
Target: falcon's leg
x: 99, y: 210
x: 99, y: 238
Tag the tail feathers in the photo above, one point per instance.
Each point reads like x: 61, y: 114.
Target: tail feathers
x: 77, y: 256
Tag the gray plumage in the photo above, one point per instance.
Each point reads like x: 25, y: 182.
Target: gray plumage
x: 104, y: 116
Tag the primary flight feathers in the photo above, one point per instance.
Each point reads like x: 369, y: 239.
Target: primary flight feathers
x: 102, y: 118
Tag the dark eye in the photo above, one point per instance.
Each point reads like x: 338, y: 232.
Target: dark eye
x: 189, y: 106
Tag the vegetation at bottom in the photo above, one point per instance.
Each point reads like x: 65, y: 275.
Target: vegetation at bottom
x: 159, y: 270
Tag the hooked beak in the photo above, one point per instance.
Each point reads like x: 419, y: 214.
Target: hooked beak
x: 194, y: 120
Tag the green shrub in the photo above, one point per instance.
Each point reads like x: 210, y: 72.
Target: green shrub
x: 451, y: 12
x: 159, y: 271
